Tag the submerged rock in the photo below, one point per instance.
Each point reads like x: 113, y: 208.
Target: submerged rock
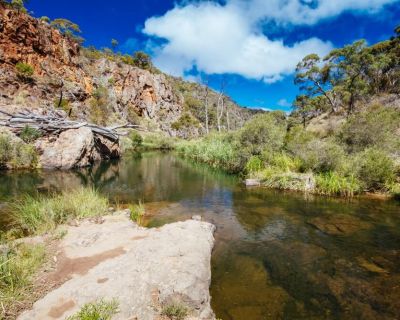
x: 143, y: 269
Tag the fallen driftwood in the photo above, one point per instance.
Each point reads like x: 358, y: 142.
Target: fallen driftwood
x: 53, y: 123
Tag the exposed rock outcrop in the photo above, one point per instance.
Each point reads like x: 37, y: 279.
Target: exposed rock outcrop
x: 73, y: 148
x: 144, y: 269
x: 62, y: 68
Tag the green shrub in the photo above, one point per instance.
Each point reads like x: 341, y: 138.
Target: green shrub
x: 29, y: 134
x: 374, y: 127
x: 42, y: 214
x: 175, y: 311
x: 45, y: 19
x: 331, y: 183
x: 158, y: 142
x: 136, y: 139
x: 185, y: 121
x: 137, y: 213
x: 24, y: 70
x: 63, y: 104
x: 18, y: 265
x: 254, y: 164
x: 375, y: 169
x: 317, y: 155
x: 16, y: 154
x: 262, y: 132
x: 99, y: 310
x: 281, y: 161
x: 99, y: 106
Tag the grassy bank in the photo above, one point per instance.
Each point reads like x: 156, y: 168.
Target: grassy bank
x: 361, y: 156
x: 18, y: 265
x: 37, y: 215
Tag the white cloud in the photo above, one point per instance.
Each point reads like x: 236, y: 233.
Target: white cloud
x: 218, y: 39
x: 284, y: 103
x: 306, y: 12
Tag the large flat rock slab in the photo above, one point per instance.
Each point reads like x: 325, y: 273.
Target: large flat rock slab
x: 142, y: 268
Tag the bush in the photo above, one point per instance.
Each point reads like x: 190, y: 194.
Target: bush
x: 175, y: 311
x: 18, y: 265
x: 254, y: 164
x: 185, y: 121
x: 158, y: 142
x: 100, y: 310
x: 136, y: 139
x: 281, y: 161
x: 42, y: 214
x: 315, y: 154
x: 24, y: 70
x: 375, y: 127
x: 266, y: 131
x: 63, y: 104
x: 29, y: 134
x: 16, y: 154
x: 375, y: 169
x: 99, y: 106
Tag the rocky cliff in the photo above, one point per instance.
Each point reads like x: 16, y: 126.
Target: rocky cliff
x: 103, y: 89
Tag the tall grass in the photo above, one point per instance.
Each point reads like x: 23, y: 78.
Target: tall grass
x: 214, y: 150
x: 332, y: 183
x: 18, y: 264
x: 137, y: 213
x: 40, y: 214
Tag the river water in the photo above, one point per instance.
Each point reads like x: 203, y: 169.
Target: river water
x: 277, y: 255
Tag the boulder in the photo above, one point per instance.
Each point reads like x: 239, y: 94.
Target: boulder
x: 73, y: 148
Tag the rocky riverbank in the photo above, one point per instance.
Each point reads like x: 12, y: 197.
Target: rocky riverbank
x: 144, y: 270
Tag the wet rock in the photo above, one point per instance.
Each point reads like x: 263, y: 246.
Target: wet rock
x: 370, y: 266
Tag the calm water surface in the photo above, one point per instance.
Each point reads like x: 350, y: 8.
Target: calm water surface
x: 277, y: 255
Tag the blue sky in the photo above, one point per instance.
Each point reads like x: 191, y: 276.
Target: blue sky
x: 252, y: 44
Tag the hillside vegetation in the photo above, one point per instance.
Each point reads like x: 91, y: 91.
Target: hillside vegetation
x: 343, y: 137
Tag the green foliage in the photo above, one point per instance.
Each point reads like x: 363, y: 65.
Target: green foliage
x: 45, y: 19
x: 18, y: 266
x: 262, y: 132
x: 376, y: 169
x: 114, y: 44
x: 282, y: 161
x: 18, y: 5
x: 24, y: 70
x: 137, y: 212
x: 136, y: 139
x: 29, y: 134
x: 158, y: 142
x: 347, y: 75
x: 63, y: 104
x: 217, y: 150
x: 40, y: 214
x: 374, y: 127
x: 331, y: 183
x: 185, y: 121
x: 99, y: 106
x: 16, y: 154
x: 142, y: 60
x: 254, y: 164
x: 99, y: 310
x: 175, y: 311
